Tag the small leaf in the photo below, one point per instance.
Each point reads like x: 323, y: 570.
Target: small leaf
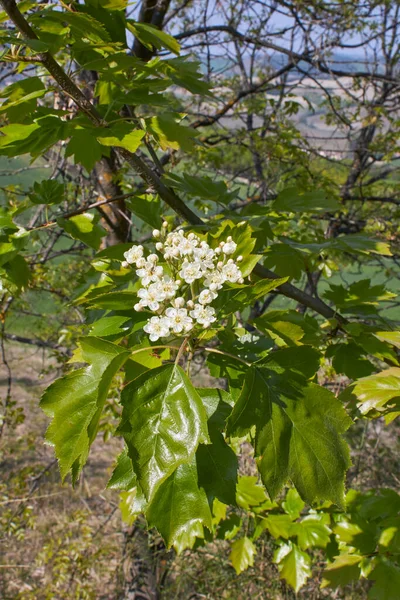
x: 242, y: 554
x: 85, y: 148
x: 48, y: 191
x: 163, y: 422
x: 293, y: 504
x: 293, y: 565
x: 313, y: 531
x: 122, y: 137
x: 344, y: 569
x: 151, y: 37
x: 249, y: 493
x: 123, y: 477
x: 379, y: 392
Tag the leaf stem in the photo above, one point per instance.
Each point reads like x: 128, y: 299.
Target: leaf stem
x: 152, y: 348
x: 181, y: 350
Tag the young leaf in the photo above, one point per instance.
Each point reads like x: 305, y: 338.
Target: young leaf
x: 249, y: 493
x: 242, y: 554
x: 379, y: 392
x: 163, y: 422
x: 179, y: 505
x: 150, y: 36
x: 345, y: 568
x: 293, y: 565
x: 75, y: 403
x: 313, y: 531
x: 48, y: 191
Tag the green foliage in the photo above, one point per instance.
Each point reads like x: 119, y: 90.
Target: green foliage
x: 183, y: 444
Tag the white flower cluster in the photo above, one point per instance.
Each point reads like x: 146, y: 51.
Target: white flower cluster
x: 180, y: 286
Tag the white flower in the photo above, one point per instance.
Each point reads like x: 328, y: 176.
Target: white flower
x: 170, y: 286
x: 156, y: 233
x: 229, y: 247
x: 157, y: 327
x: 214, y: 280
x: 179, y: 321
x: 204, y: 315
x: 231, y: 272
x: 152, y: 296
x: 205, y: 256
x: 206, y: 297
x: 133, y: 254
x: 149, y: 272
x: 190, y: 271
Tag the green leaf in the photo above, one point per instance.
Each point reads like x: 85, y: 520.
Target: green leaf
x: 348, y: 359
x: 18, y: 272
x: 148, y: 208
x: 293, y: 565
x: 292, y: 200
x: 230, y: 301
x: 293, y: 504
x: 48, y: 191
x: 217, y: 466
x: 123, y: 477
x: 85, y: 228
x: 313, y: 531
x: 200, y: 187
x: 299, y: 427
x: 285, y: 260
x: 344, y: 569
x: 249, y: 493
x: 379, y: 392
x: 242, y: 554
x: 123, y: 300
x: 151, y: 37
x: 386, y: 578
x: 113, y: 325
x: 289, y: 327
x: 279, y: 526
x: 179, y: 506
x: 170, y: 134
x: 21, y: 97
x: 75, y: 403
x: 85, y: 148
x: 121, y: 136
x: 163, y: 422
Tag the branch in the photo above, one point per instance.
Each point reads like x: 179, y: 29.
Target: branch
x: 315, y: 62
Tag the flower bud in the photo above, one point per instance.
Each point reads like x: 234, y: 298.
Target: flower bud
x: 124, y: 264
x: 159, y: 246
x: 178, y: 282
x: 239, y: 258
x: 179, y: 302
x: 241, y: 280
x: 217, y: 250
x: 165, y: 224
x: 190, y: 304
x: 156, y: 233
x: 138, y: 307
x: 221, y: 244
x: 152, y: 258
x: 220, y: 264
x: 230, y: 261
x: 229, y: 239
